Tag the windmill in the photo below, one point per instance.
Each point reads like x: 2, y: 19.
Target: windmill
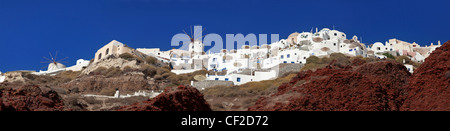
x: 54, y: 64
x: 196, y: 44
x: 192, y: 37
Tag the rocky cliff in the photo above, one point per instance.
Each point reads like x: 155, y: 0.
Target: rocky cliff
x: 181, y: 98
x: 428, y: 88
x: 30, y: 98
x: 374, y: 86
x: 130, y: 82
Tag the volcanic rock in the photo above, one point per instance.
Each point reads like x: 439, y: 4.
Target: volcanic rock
x: 181, y: 98
x: 30, y: 98
x: 428, y: 88
x: 374, y: 86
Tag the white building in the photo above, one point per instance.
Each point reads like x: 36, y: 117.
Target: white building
x: 239, y: 79
x: 234, y: 65
x: 2, y: 78
x: 81, y: 63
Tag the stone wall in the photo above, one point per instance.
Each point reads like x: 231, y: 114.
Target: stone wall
x: 211, y: 83
x: 285, y: 68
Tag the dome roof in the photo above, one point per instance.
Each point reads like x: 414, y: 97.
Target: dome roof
x: 55, y: 66
x: 295, y: 34
x: 324, y: 29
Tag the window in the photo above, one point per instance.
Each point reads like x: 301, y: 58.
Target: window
x: 100, y: 56
x: 378, y: 48
x: 335, y: 34
x: 334, y: 44
x: 288, y: 55
x: 214, y: 59
x: 295, y: 53
x: 238, y: 79
x: 159, y: 53
x: 292, y: 62
x: 217, y: 79
x: 386, y: 48
x: 226, y: 79
x: 304, y: 57
x: 350, y: 50
x: 251, y: 79
x: 300, y: 62
x: 282, y: 56
x: 284, y: 61
x: 391, y: 49
x: 107, y: 51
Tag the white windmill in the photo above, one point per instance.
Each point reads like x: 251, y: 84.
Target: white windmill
x: 54, y: 66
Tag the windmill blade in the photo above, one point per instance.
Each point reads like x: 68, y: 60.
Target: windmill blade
x: 62, y: 59
x: 187, y: 34
x: 182, y: 38
x: 200, y: 32
x: 191, y: 32
x: 51, y: 56
x: 43, y: 67
x: 56, y: 54
x: 47, y: 58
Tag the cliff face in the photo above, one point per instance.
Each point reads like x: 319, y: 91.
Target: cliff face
x: 30, y: 98
x: 179, y: 98
x: 97, y: 83
x: 375, y: 86
x: 428, y: 88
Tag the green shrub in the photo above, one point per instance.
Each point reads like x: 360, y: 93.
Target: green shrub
x: 149, y: 70
x: 113, y: 71
x: 167, y: 74
x: 126, y: 56
x: 312, y: 60
x: 151, y: 60
x: 69, y: 74
x: 166, y: 67
x: 388, y: 55
x: 108, y: 91
x: 157, y: 77
x: 248, y: 89
x: 100, y: 70
x: 127, y: 69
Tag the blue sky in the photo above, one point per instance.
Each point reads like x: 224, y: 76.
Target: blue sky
x: 30, y: 29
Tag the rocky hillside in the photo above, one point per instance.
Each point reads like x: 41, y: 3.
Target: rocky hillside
x: 181, y: 98
x: 29, y: 98
x: 428, y: 88
x: 372, y: 86
x: 130, y: 82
